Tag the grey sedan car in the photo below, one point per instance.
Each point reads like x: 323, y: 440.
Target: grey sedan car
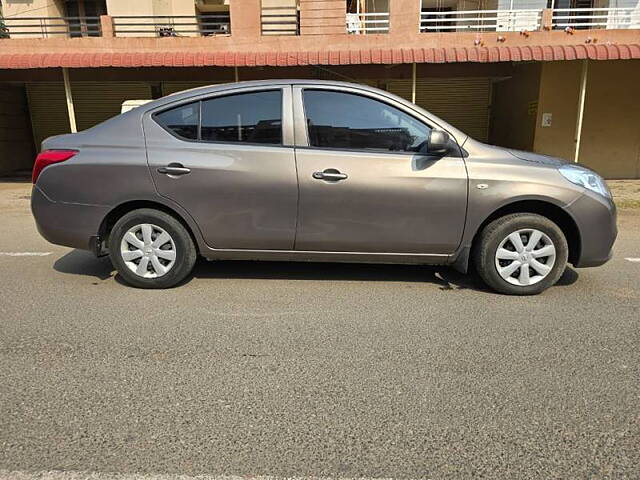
x: 306, y: 170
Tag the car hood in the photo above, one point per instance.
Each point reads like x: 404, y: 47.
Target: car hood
x: 537, y: 158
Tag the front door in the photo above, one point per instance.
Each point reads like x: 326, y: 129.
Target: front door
x: 225, y: 160
x: 363, y: 185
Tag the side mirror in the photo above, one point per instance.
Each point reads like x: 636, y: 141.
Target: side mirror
x: 439, y: 143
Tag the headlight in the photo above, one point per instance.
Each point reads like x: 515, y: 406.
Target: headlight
x: 585, y: 178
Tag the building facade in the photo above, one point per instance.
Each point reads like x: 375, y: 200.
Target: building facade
x: 560, y: 77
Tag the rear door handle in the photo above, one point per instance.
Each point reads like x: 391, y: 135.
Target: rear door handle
x: 330, y: 174
x: 174, y: 169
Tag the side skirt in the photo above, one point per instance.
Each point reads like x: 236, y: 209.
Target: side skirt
x: 313, y: 256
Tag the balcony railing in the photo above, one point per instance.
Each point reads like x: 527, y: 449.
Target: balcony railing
x: 286, y: 21
x: 45, y: 27
x: 481, y: 20
x: 280, y: 21
x: 171, y: 26
x: 363, y: 23
x: 607, y: 18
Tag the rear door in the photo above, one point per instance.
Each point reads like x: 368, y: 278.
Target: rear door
x: 229, y: 160
x: 364, y: 186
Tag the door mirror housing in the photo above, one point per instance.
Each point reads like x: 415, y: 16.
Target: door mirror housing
x: 439, y: 143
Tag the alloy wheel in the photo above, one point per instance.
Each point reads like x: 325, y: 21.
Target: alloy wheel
x: 525, y: 257
x: 148, y: 250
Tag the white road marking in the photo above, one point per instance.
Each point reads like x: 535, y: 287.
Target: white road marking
x: 633, y: 259
x: 60, y: 475
x: 24, y: 254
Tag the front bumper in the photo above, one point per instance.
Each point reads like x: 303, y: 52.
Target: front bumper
x: 69, y: 224
x: 595, y: 217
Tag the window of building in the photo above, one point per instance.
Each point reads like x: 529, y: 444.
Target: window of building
x: 350, y: 121
x: 254, y: 117
x: 84, y: 17
x: 182, y: 121
x: 432, y: 22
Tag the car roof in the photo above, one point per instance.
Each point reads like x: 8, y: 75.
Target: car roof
x: 220, y: 87
x: 266, y: 83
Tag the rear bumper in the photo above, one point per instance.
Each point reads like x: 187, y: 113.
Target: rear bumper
x: 596, y: 219
x: 69, y: 224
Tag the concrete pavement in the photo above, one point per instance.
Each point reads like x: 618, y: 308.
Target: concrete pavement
x: 314, y: 370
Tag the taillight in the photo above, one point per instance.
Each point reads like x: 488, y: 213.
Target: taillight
x: 48, y: 157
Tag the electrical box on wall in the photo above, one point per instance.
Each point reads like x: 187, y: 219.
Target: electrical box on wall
x: 547, y: 118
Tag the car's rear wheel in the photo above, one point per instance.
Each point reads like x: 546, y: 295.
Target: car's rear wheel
x: 151, y: 249
x: 521, y: 254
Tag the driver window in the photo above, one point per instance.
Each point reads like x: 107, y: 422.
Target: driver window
x: 350, y: 121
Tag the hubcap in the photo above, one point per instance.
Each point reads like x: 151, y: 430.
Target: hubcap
x: 148, y: 250
x: 525, y: 257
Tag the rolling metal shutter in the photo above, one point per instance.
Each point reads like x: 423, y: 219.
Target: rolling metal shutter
x: 48, y: 109
x: 16, y: 141
x: 463, y: 102
x: 94, y: 102
x: 174, y: 87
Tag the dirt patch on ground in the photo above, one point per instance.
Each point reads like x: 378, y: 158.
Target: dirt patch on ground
x: 626, y: 193
x: 14, y: 196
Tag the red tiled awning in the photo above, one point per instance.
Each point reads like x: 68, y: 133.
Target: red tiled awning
x: 342, y: 57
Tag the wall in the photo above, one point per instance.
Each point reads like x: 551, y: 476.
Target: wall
x: 153, y: 8
x: 125, y: 8
x: 32, y: 8
x: 181, y: 8
x: 514, y: 108
x: 16, y: 143
x: 559, y: 88
x: 611, y: 126
x: 174, y: 7
x: 322, y: 17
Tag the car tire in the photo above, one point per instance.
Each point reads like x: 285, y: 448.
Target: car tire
x: 503, y: 252
x: 151, y: 249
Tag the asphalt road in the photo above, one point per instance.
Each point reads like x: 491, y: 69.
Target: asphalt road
x: 314, y: 370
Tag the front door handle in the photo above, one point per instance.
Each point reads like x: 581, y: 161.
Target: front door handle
x: 174, y: 169
x: 330, y: 174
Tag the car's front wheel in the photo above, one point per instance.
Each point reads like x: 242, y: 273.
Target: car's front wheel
x: 521, y: 254
x: 151, y: 249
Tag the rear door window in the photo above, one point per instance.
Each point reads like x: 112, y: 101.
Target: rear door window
x: 254, y: 117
